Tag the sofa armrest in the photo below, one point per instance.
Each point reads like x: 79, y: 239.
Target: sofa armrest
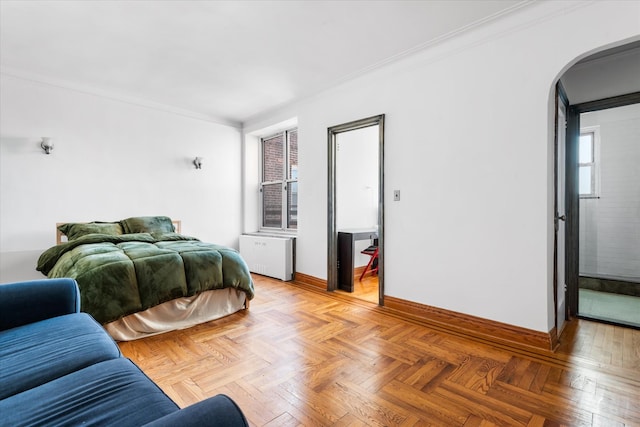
x: 27, y: 302
x: 219, y: 411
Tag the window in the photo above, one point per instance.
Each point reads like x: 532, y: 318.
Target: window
x: 587, y: 166
x: 279, y: 186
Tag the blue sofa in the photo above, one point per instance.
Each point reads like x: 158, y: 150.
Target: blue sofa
x: 59, y: 367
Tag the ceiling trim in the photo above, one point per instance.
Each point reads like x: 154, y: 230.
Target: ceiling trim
x: 128, y: 99
x: 444, y: 37
x: 460, y: 36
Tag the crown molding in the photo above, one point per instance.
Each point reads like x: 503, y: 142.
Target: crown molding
x: 521, y: 15
x: 121, y: 97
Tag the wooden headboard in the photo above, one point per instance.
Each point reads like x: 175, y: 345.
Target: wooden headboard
x: 60, y: 238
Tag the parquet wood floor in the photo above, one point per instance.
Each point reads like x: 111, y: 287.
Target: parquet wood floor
x: 302, y: 357
x: 366, y: 289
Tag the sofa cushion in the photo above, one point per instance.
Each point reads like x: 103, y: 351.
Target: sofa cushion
x: 39, y: 352
x: 27, y: 302
x: 114, y: 392
x: 219, y: 411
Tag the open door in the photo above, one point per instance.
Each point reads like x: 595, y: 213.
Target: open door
x: 559, y: 279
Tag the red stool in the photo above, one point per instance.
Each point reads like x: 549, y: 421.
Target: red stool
x: 372, y: 266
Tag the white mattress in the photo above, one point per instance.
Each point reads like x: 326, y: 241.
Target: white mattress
x: 176, y: 314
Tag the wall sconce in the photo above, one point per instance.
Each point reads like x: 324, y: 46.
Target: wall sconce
x: 47, y: 144
x: 198, y: 162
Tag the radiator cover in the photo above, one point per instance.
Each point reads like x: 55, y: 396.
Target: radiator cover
x: 269, y: 255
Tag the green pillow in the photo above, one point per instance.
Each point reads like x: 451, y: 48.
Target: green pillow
x: 148, y: 224
x: 74, y: 230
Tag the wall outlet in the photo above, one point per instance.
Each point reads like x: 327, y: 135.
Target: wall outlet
x: 396, y: 195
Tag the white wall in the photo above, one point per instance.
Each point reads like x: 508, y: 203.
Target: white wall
x: 111, y: 160
x: 610, y: 224
x: 468, y: 141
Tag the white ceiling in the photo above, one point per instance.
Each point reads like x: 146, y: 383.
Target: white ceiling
x: 226, y: 60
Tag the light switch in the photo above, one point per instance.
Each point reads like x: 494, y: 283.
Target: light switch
x: 396, y: 195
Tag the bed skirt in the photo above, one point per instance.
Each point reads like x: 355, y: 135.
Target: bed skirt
x: 176, y: 314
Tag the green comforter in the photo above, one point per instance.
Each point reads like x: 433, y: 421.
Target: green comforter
x: 124, y: 274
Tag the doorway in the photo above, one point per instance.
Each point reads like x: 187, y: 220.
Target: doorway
x: 609, y: 202
x: 603, y: 80
x: 355, y: 214
x: 603, y: 275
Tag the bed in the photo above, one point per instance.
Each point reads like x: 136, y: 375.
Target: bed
x: 140, y: 276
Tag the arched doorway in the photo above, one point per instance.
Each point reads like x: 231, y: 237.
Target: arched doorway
x: 599, y: 82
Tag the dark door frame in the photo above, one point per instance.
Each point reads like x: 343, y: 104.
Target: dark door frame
x: 332, y: 232
x: 571, y: 185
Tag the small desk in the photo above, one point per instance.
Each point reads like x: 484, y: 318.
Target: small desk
x: 346, y: 247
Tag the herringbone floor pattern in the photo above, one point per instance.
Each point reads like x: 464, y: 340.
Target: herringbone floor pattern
x: 302, y: 357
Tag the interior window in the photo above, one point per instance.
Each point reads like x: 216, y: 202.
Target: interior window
x: 587, y: 163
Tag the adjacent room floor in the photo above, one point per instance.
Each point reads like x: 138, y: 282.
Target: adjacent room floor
x: 610, y: 307
x: 365, y: 289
